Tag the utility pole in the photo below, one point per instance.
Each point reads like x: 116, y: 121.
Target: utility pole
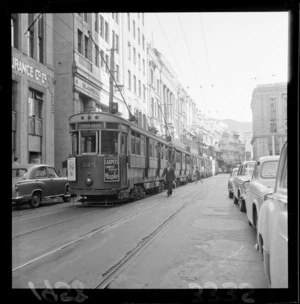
x: 111, y: 81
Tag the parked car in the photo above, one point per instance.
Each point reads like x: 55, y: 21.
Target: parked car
x: 262, y: 183
x: 244, y: 174
x: 34, y: 182
x: 272, y: 236
x: 230, y: 180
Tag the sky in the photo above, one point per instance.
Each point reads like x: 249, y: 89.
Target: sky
x: 221, y: 57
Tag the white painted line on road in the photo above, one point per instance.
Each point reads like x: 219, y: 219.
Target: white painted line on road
x: 236, y: 252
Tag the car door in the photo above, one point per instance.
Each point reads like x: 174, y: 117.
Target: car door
x: 43, y: 181
x: 251, y: 191
x: 56, y: 183
x: 279, y: 233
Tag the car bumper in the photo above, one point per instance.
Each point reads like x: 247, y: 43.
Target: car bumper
x: 18, y: 199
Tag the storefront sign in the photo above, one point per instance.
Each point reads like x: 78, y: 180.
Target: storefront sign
x: 71, y: 169
x: 86, y: 88
x: 111, y: 169
x: 28, y: 70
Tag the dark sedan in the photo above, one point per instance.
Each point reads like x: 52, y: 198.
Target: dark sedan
x: 34, y: 182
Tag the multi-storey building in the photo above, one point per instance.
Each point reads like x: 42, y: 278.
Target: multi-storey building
x: 269, y: 112
x: 32, y: 88
x: 83, y: 46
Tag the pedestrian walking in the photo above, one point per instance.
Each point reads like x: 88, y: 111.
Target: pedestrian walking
x: 198, y: 175
x: 169, y: 172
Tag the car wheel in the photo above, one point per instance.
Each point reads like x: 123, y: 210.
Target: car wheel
x: 242, y: 205
x: 230, y: 194
x: 67, y: 198
x: 35, y: 200
x: 235, y: 200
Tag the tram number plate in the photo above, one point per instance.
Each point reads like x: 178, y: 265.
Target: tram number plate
x: 111, y: 169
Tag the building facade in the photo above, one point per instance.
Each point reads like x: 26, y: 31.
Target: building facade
x: 269, y: 116
x: 85, y: 73
x: 32, y: 88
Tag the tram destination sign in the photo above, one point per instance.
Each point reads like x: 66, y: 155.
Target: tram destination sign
x: 95, y: 125
x: 111, y: 169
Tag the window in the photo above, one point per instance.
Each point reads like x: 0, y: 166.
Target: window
x: 123, y: 143
x: 128, y: 19
x: 35, y: 102
x: 139, y: 61
x: 140, y: 89
x: 96, y: 23
x: 74, y: 141
x: 132, y: 142
x: 273, y: 126
x: 106, y: 32
x: 14, y: 30
x: 86, y: 47
x: 79, y: 42
x: 134, y: 56
x: 41, y: 39
x: 113, y: 15
x: 117, y: 44
x: 139, y: 36
x: 30, y: 35
x: 85, y: 17
x: 152, y: 107
x: 102, y: 56
x: 89, y: 141
x: 129, y: 80
x: 109, y: 142
x: 157, y: 86
x: 144, y: 92
x: 117, y: 18
x: 133, y: 26
x: 52, y: 173
x: 143, y: 42
x: 150, y: 147
x: 269, y: 169
x: 138, y: 144
x: 143, y: 145
x: 143, y: 66
x: 41, y: 173
x: 134, y: 84
x: 129, y: 51
x: 97, y: 55
x: 101, y: 26
x: 151, y: 76
x: 143, y: 18
x: 107, y: 63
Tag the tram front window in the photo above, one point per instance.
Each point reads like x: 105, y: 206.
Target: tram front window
x: 109, y: 142
x: 89, y: 142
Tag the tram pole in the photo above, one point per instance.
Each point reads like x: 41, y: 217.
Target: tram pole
x: 111, y: 81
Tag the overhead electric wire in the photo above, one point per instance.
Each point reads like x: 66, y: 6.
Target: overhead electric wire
x: 170, y: 47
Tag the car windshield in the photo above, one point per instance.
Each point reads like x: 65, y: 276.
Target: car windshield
x: 249, y: 168
x: 269, y: 169
x: 17, y: 173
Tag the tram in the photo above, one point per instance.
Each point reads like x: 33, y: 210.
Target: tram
x: 113, y: 157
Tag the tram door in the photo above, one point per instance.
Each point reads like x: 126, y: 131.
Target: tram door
x: 123, y: 159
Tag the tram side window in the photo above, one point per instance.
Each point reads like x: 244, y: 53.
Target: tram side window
x: 133, y: 142
x: 74, y: 141
x: 88, y: 142
x: 123, y: 143
x: 150, y: 148
x: 138, y: 144
x: 142, y: 145
x: 109, y: 142
x: 162, y: 151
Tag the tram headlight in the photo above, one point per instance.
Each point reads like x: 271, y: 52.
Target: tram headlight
x: 88, y: 181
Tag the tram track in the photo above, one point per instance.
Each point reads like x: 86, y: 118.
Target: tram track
x: 86, y: 236
x: 130, y: 256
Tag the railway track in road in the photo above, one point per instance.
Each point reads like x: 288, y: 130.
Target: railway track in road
x: 114, y: 271
x: 86, y: 235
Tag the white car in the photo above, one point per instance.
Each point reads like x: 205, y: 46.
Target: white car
x: 272, y: 236
x: 261, y: 183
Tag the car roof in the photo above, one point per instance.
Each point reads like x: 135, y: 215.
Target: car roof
x: 28, y: 166
x: 268, y: 158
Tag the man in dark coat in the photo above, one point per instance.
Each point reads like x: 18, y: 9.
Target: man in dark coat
x: 169, y: 172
